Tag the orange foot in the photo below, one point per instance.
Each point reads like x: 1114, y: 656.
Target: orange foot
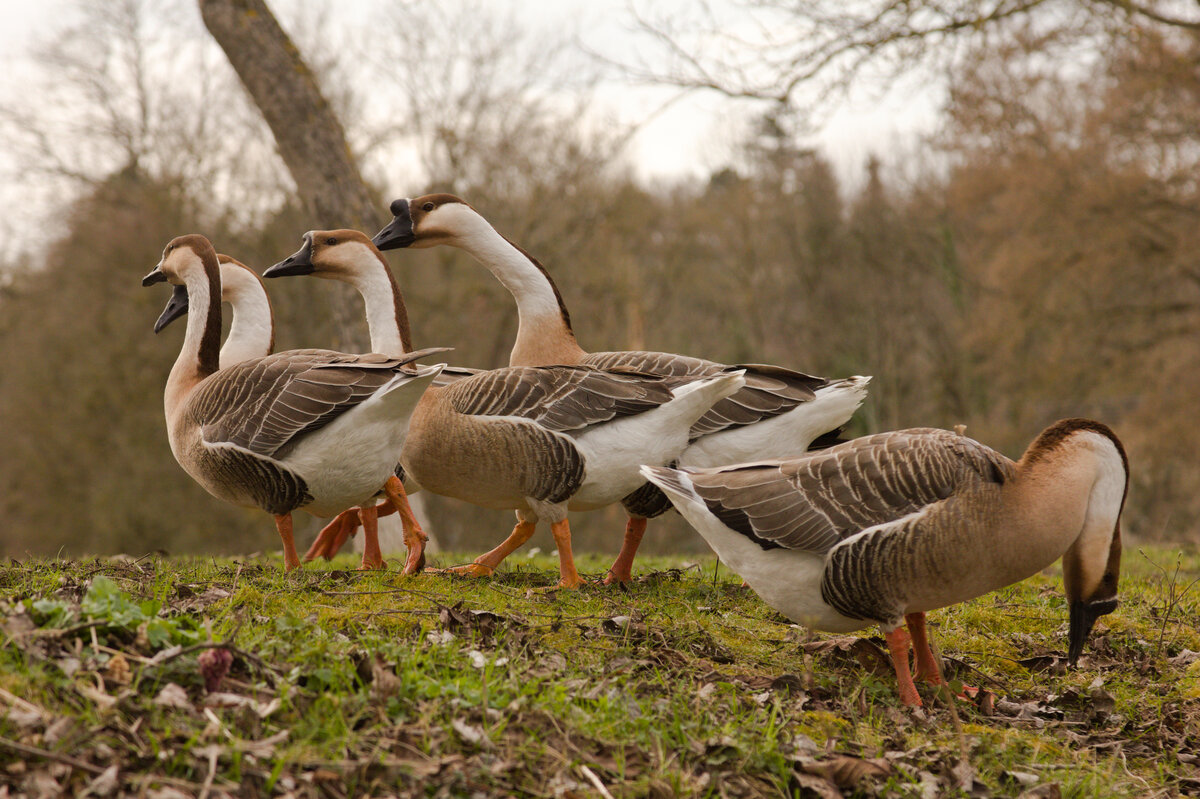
x: 622, y: 568
x: 333, y: 535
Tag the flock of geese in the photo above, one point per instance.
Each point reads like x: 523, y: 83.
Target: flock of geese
x: 836, y: 535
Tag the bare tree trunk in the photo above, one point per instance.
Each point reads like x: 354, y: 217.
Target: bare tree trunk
x: 312, y: 143
x: 310, y: 137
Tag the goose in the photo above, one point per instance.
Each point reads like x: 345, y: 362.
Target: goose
x: 538, y: 440
x: 779, y: 412
x: 311, y: 430
x: 252, y: 335
x: 252, y: 332
x: 884, y: 528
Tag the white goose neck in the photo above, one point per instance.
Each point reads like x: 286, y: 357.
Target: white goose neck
x: 379, y: 292
x: 187, y: 370
x: 538, y: 305
x: 251, y: 334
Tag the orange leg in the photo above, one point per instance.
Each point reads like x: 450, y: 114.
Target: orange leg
x: 568, y: 577
x: 283, y: 523
x: 333, y: 535
x: 372, y: 558
x: 622, y: 568
x: 485, y: 565
x: 898, y: 641
x: 927, y: 665
x: 414, y: 536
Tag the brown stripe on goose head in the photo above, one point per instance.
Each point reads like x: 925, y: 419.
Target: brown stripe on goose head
x: 323, y: 242
x: 208, y: 360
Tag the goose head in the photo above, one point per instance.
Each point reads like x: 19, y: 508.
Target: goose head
x: 349, y: 256
x: 184, y: 257
x: 330, y: 254
x: 238, y: 281
x: 425, y: 222
x: 239, y: 284
x: 1092, y: 563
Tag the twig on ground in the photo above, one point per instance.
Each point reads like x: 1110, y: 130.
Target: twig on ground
x: 46, y: 754
x: 947, y: 694
x: 212, y: 772
x: 594, y: 780
x: 187, y: 650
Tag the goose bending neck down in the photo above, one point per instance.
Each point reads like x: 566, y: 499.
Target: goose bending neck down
x: 539, y: 440
x: 310, y: 430
x: 778, y: 413
x: 881, y: 529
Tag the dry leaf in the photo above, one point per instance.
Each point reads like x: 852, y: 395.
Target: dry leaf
x: 104, y: 784
x: 173, y: 695
x: 862, y: 650
x: 470, y: 733
x: 117, y: 670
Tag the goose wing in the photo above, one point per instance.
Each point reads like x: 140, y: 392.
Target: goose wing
x: 814, y: 502
x: 558, y: 398
x: 264, y: 405
x: 769, y: 390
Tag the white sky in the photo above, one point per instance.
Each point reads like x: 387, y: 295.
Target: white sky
x: 689, y: 139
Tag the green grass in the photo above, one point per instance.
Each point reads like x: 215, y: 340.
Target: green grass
x: 350, y: 684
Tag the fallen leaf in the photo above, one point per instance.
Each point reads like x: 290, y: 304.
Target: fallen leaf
x: 103, y: 701
x: 1185, y: 658
x: 822, y: 787
x: 263, y: 748
x: 117, y: 669
x: 173, y: 695
x: 861, y: 650
x: 58, y: 730
x: 166, y: 792
x: 469, y: 733
x: 104, y: 784
x: 1022, y: 778
x: 1051, y: 664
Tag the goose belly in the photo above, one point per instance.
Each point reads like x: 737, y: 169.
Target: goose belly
x: 783, y: 436
x: 346, y: 464
x: 614, y: 451
x: 788, y: 580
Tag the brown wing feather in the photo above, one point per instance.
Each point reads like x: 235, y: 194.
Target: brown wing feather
x: 813, y: 502
x: 263, y: 405
x: 769, y: 390
x: 559, y: 398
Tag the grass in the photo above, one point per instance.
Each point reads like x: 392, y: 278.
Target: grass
x: 683, y: 683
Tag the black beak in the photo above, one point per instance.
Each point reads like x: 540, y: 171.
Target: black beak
x: 399, y: 232
x: 177, y: 306
x: 155, y: 276
x: 298, y: 263
x: 1083, y: 617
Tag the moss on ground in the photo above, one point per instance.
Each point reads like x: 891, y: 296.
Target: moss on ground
x: 683, y: 683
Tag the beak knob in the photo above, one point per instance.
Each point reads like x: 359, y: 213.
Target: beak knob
x: 399, y: 232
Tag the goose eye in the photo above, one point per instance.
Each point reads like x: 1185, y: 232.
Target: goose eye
x: 331, y: 240
x: 428, y: 207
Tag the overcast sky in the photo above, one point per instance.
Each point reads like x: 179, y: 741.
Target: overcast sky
x: 690, y: 138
